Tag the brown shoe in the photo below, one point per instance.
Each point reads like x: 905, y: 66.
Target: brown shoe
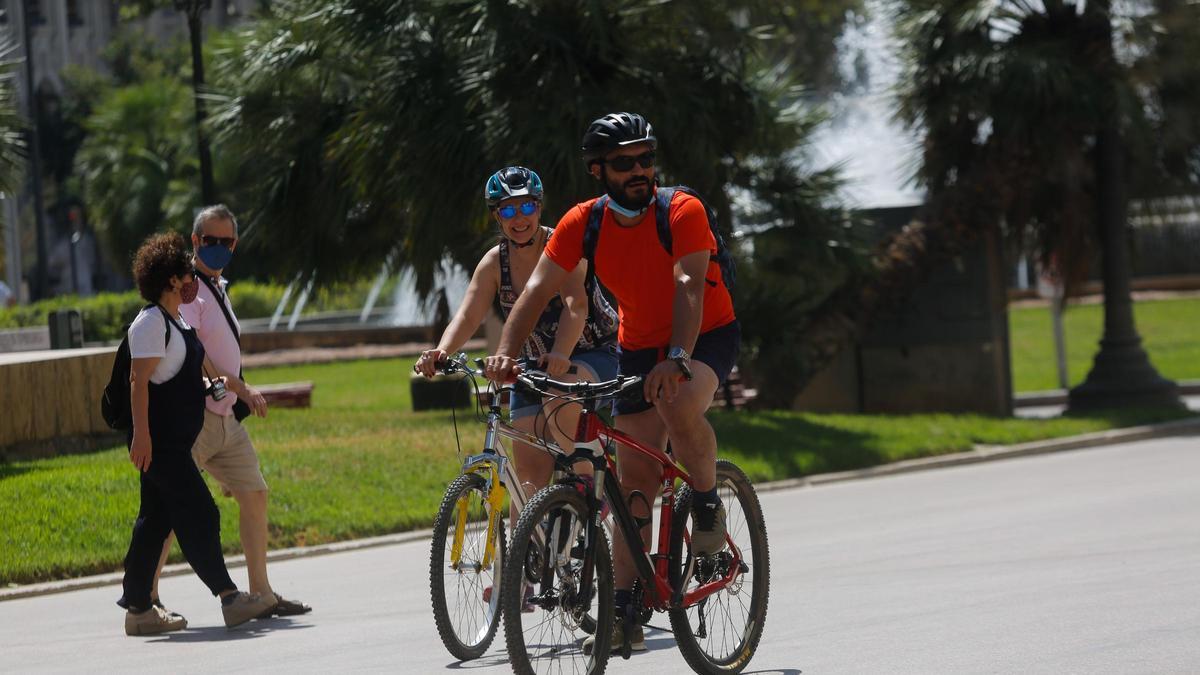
x: 152, y: 622
x: 286, y: 608
x: 245, y: 606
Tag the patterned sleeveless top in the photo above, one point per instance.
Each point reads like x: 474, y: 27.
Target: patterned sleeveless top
x: 600, y: 328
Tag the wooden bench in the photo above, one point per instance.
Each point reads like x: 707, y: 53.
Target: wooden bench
x: 287, y: 394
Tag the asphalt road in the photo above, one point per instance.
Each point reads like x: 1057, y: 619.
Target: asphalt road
x: 1078, y: 562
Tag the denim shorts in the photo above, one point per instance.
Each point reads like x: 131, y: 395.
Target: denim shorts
x: 718, y: 349
x: 599, y: 364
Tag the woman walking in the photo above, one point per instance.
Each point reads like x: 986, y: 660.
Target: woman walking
x: 167, y: 390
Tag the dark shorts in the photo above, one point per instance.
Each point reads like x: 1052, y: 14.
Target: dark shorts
x: 718, y: 349
x: 599, y: 364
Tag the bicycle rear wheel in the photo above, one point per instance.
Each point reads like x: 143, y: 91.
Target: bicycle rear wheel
x: 466, y: 612
x: 545, y: 631
x: 720, y: 633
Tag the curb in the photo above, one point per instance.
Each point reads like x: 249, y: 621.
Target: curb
x: 987, y: 453
x: 114, y: 578
x: 981, y: 453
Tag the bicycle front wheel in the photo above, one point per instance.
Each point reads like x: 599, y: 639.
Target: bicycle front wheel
x: 463, y: 576
x: 547, y: 613
x: 720, y: 633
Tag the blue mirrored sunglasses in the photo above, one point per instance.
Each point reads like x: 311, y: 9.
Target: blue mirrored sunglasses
x: 509, y: 211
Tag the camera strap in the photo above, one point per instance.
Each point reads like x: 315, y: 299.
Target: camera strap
x: 220, y: 298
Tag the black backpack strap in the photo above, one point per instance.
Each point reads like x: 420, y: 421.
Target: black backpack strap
x: 170, y: 321
x: 220, y: 303
x: 167, y: 339
x: 662, y: 220
x: 662, y: 216
x: 591, y: 237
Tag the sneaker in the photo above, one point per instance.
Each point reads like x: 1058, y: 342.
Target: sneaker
x: 637, y: 641
x: 245, y: 606
x: 708, y: 542
x: 152, y: 622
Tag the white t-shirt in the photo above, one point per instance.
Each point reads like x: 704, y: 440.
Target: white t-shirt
x: 147, y: 335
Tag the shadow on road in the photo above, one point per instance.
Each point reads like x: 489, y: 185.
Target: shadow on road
x: 486, y: 661
x: 775, y: 671
x: 249, y: 631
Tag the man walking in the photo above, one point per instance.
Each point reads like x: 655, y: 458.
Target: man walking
x: 223, y: 448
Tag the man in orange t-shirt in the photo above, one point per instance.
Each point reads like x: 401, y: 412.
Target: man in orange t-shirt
x: 676, y: 320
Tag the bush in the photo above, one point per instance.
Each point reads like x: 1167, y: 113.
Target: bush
x: 105, y: 314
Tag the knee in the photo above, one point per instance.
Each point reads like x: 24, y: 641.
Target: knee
x: 252, y: 502
x: 682, y: 427
x: 639, y: 481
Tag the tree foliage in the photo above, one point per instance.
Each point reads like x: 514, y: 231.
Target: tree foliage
x: 138, y: 163
x: 1012, y: 97
x: 378, y: 121
x: 12, y: 124
x: 365, y: 129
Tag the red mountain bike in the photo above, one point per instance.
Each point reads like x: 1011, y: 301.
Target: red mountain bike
x: 717, y: 604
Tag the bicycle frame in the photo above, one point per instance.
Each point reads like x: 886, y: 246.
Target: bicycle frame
x: 497, y: 469
x: 593, y: 435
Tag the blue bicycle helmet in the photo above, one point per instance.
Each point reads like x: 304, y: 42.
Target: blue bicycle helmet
x: 512, y: 181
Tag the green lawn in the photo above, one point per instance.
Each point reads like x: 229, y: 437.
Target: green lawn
x: 1170, y: 331
x: 359, y: 463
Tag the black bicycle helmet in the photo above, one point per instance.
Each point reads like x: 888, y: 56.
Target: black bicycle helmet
x: 613, y: 131
x: 512, y: 181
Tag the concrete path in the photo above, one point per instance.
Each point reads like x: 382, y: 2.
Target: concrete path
x: 1078, y: 562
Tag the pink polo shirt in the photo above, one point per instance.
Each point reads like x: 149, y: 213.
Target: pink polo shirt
x: 219, y: 342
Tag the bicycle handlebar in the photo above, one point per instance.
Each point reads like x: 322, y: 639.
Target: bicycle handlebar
x: 458, y: 364
x: 541, y: 384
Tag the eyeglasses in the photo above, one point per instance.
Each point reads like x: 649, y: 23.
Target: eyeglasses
x: 209, y: 240
x: 509, y: 211
x: 624, y: 163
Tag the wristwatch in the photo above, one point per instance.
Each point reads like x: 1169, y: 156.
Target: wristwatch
x: 681, y: 358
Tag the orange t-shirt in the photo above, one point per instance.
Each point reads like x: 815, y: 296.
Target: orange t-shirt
x: 632, y: 263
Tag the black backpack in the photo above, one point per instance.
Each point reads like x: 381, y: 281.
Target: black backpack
x: 114, y: 403
x: 662, y: 221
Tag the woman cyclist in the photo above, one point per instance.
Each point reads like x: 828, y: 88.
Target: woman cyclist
x: 578, y: 327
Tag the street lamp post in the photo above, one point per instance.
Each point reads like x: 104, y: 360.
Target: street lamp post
x: 1121, y: 375
x: 41, y: 282
x: 194, y: 10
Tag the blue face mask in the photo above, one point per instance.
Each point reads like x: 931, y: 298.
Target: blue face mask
x: 214, y: 257
x: 628, y: 213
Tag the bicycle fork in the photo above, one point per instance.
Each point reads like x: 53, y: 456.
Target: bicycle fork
x: 491, y: 466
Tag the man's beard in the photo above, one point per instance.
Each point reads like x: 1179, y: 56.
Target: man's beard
x: 620, y: 194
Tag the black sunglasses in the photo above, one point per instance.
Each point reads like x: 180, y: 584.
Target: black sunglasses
x: 209, y: 240
x: 625, y: 162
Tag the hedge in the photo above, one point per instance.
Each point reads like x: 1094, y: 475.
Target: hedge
x: 104, y: 314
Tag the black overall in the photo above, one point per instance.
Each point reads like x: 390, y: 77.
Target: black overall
x: 174, y: 496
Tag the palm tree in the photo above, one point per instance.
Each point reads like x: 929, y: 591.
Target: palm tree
x: 12, y: 125
x: 138, y: 163
x: 1031, y: 111
x: 365, y: 129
